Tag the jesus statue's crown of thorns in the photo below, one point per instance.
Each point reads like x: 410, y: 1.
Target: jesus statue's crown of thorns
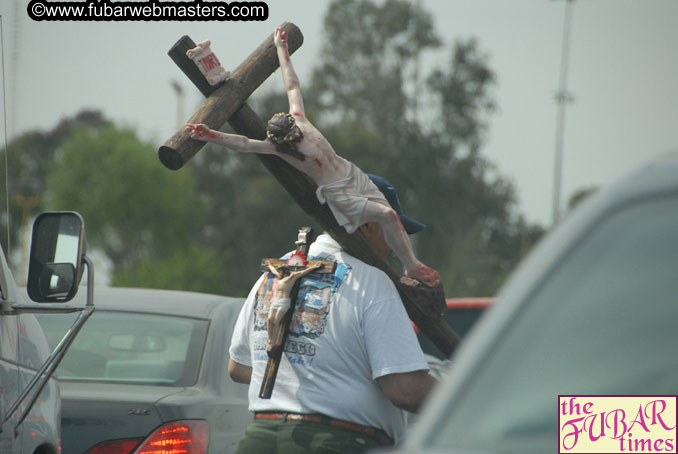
x: 282, y: 128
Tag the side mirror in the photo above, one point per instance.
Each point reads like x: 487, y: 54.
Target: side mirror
x: 57, y: 251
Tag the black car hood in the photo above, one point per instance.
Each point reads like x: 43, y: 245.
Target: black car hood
x: 92, y: 413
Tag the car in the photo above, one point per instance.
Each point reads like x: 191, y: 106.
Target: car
x: 461, y: 315
x: 23, y: 351
x: 591, y: 311
x: 149, y: 369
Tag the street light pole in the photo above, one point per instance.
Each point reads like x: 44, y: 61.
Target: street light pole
x: 562, y: 98
x: 180, y: 102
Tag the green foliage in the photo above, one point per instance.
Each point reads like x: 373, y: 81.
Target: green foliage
x: 29, y: 158
x: 368, y: 54
x: 133, y: 207
x: 192, y: 268
x: 463, y: 97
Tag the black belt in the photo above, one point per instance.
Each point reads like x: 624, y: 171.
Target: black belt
x: 372, y: 432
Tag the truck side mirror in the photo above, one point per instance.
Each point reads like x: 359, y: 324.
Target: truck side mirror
x: 56, y: 259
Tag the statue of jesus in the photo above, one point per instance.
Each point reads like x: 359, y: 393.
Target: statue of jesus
x: 352, y: 197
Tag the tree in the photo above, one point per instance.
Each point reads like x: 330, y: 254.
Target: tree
x: 142, y: 217
x: 368, y: 54
x: 189, y: 268
x: 474, y: 235
x: 29, y: 158
x: 463, y: 97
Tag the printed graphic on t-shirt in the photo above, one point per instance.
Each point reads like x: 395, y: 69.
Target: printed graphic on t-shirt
x: 262, y: 303
x: 313, y: 302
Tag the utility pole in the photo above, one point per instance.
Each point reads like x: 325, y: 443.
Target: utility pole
x: 563, y: 97
x: 417, y: 62
x: 180, y: 102
x: 27, y: 204
x: 14, y: 67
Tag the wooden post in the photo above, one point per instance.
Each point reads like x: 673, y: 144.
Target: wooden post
x: 227, y: 103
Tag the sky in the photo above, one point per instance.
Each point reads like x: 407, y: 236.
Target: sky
x: 622, y: 75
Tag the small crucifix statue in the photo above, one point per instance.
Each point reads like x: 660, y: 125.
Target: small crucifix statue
x: 285, y: 290
x: 282, y: 294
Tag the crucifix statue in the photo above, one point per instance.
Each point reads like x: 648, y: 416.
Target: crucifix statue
x: 287, y: 274
x: 352, y: 197
x: 311, y: 173
x: 282, y: 299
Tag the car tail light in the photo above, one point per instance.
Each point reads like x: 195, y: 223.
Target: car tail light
x: 178, y: 437
x: 115, y: 446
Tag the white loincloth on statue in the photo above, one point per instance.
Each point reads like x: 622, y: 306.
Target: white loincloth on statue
x: 347, y: 197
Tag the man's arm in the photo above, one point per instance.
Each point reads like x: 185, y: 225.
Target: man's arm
x: 239, y: 372
x: 290, y: 78
x: 408, y: 390
x: 233, y: 141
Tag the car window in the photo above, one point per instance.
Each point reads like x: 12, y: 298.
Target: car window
x: 603, y: 322
x: 127, y: 347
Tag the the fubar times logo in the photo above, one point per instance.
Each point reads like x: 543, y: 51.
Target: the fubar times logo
x: 617, y: 424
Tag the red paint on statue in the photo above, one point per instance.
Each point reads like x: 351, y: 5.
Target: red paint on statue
x: 209, y: 62
x: 427, y: 275
x: 317, y: 161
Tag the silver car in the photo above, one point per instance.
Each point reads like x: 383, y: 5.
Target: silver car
x: 23, y: 351
x: 149, y: 370
x: 592, y: 311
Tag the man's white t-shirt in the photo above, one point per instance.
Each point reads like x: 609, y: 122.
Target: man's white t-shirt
x: 349, y: 328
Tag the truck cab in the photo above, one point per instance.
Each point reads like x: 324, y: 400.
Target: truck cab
x: 30, y: 404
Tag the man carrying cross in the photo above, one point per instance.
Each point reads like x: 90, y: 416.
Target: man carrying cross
x: 352, y: 362
x: 352, y: 197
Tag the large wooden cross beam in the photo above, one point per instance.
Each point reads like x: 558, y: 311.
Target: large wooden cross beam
x: 227, y: 103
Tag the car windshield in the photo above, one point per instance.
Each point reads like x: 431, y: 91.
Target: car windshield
x: 602, y: 323
x: 127, y: 347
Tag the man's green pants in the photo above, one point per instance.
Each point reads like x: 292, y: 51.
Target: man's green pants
x: 300, y: 437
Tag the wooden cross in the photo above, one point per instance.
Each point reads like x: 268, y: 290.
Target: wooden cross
x: 227, y: 103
